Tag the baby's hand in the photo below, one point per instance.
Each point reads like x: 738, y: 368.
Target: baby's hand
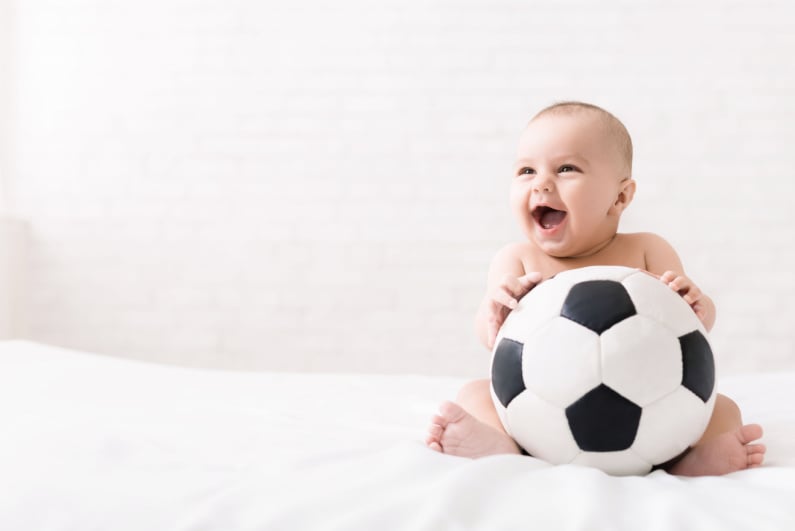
x: 505, y: 298
x: 687, y: 289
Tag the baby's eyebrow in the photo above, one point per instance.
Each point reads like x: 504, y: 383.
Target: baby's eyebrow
x: 562, y: 158
x: 556, y: 159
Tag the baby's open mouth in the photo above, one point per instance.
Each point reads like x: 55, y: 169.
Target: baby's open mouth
x: 548, y: 217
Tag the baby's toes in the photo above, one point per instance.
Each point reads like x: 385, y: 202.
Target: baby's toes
x: 756, y: 449
x: 750, y: 432
x: 755, y: 459
x: 434, y: 438
x: 452, y: 412
x: 756, y: 454
x: 434, y: 433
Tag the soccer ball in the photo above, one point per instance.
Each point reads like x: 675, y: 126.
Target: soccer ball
x: 603, y: 366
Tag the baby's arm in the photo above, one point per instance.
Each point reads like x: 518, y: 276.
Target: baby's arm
x: 662, y: 260
x: 507, y: 283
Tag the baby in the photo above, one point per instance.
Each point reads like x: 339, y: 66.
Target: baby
x: 571, y: 183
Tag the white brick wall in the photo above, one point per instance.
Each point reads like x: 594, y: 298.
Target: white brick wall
x: 7, y: 53
x: 317, y: 185
x: 13, y: 278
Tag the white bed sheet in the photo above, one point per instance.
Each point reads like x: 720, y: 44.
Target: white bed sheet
x: 96, y: 443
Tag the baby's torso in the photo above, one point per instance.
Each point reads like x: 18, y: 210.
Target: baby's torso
x: 624, y: 250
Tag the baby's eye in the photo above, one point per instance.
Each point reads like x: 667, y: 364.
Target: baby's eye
x: 567, y: 168
x: 527, y: 171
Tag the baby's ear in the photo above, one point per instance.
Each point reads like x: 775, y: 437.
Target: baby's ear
x: 626, y: 192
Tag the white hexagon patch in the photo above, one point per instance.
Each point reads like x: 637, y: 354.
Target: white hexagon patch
x: 561, y: 362
x: 641, y: 360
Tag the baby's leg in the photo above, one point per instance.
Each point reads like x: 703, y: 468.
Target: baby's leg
x: 470, y: 427
x: 724, y: 447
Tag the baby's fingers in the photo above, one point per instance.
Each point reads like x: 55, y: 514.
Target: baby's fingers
x: 493, y: 329
x: 494, y: 322
x: 501, y: 296
x: 514, y: 286
x: 679, y: 283
x: 530, y: 279
x: 692, y: 296
x: 667, y: 277
x: 526, y: 283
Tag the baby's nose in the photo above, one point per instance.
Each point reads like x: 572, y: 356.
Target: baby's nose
x: 543, y: 183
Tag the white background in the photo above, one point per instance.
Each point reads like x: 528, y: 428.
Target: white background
x: 320, y: 185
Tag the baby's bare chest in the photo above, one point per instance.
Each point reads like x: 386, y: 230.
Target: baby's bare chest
x: 621, y: 253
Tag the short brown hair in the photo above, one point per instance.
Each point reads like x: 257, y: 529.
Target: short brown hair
x: 614, y: 126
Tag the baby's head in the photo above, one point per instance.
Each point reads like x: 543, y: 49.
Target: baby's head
x: 572, y: 179
x: 608, y: 127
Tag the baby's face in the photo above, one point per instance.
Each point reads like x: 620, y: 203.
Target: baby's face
x: 567, y: 180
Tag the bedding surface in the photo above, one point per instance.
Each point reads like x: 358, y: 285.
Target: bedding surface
x: 96, y: 443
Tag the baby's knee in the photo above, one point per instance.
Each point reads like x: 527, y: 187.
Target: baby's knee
x: 474, y: 389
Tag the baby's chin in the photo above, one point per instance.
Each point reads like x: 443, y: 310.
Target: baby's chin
x: 555, y: 249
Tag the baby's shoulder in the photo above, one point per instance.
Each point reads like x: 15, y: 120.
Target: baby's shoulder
x: 652, y: 250
x: 520, y: 257
x: 515, y: 248
x: 641, y: 240
x: 521, y: 251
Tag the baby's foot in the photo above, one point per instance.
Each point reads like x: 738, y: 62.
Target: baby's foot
x: 723, y: 454
x: 456, y: 432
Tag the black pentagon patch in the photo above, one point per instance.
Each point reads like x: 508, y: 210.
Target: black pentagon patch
x: 698, y: 365
x: 506, y: 371
x: 598, y: 304
x: 603, y: 420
